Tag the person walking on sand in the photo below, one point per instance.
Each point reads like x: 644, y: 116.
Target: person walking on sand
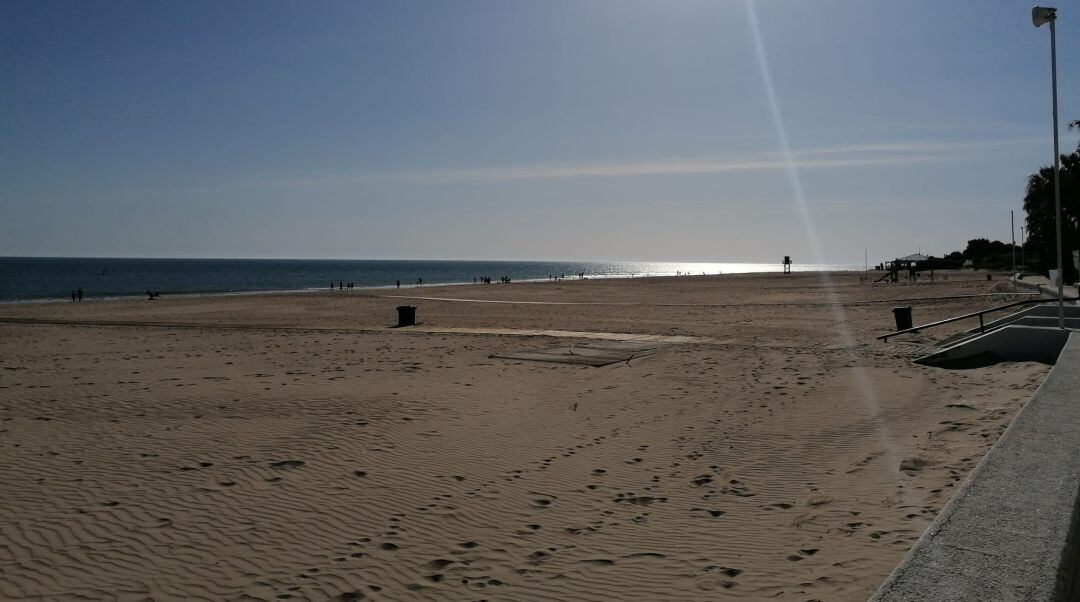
x: 398, y: 284
x: 79, y: 294
x: 72, y: 295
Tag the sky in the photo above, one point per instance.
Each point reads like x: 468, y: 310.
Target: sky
x: 722, y: 130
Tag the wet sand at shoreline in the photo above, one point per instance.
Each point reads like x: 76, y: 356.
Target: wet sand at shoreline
x: 274, y: 446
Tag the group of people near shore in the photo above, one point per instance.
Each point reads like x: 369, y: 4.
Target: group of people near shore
x: 76, y: 294
x: 348, y: 286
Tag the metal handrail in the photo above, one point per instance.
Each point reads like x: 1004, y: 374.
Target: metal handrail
x: 979, y: 314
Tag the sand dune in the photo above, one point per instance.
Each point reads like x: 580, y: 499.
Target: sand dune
x: 767, y: 454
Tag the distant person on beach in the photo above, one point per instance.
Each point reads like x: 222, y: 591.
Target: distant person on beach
x: 331, y: 285
x: 419, y: 281
x: 72, y: 295
x: 398, y: 284
x: 79, y: 294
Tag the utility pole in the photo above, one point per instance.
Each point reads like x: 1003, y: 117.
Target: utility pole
x: 1023, y: 247
x: 1012, y: 232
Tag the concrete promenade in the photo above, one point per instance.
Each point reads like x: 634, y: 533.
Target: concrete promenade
x: 1041, y: 284
x: 1010, y: 531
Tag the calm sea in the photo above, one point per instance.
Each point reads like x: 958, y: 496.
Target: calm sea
x: 41, y: 278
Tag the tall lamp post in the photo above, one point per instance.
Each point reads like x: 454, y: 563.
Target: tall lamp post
x: 1040, y: 15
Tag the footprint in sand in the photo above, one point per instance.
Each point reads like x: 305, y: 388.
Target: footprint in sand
x: 638, y: 500
x: 914, y: 464
x: 710, y: 583
x: 781, y: 505
x: 736, y: 488
x: 439, y: 564
x: 730, y: 572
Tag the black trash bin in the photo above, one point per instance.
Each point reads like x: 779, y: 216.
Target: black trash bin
x: 406, y: 315
x: 903, y: 317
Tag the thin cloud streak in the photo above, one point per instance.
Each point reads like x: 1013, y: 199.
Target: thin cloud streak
x: 864, y: 155
x: 548, y: 172
x: 883, y: 155
x: 924, y: 147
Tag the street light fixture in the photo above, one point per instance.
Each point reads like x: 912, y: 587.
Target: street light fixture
x: 1040, y: 15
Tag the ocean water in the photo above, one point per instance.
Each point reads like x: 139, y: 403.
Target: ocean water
x: 47, y: 278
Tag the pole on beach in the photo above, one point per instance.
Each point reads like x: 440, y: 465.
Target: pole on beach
x: 1012, y: 233
x: 1040, y: 15
x: 1023, y: 250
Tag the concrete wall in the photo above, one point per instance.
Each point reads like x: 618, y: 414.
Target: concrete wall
x: 1050, y: 291
x: 1011, y: 530
x: 1013, y: 343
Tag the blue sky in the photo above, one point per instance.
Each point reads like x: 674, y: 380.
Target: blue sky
x: 606, y: 130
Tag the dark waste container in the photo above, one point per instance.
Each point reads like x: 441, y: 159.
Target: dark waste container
x: 989, y: 277
x: 406, y: 315
x: 903, y: 317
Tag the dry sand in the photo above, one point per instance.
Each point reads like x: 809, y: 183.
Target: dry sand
x: 277, y: 446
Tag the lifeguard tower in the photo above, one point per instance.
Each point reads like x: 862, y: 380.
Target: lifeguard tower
x: 787, y: 264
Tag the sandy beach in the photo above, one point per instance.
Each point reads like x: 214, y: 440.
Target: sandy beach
x: 757, y: 443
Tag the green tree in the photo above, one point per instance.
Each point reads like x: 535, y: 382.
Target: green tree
x: 1041, y: 245
x: 987, y: 254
